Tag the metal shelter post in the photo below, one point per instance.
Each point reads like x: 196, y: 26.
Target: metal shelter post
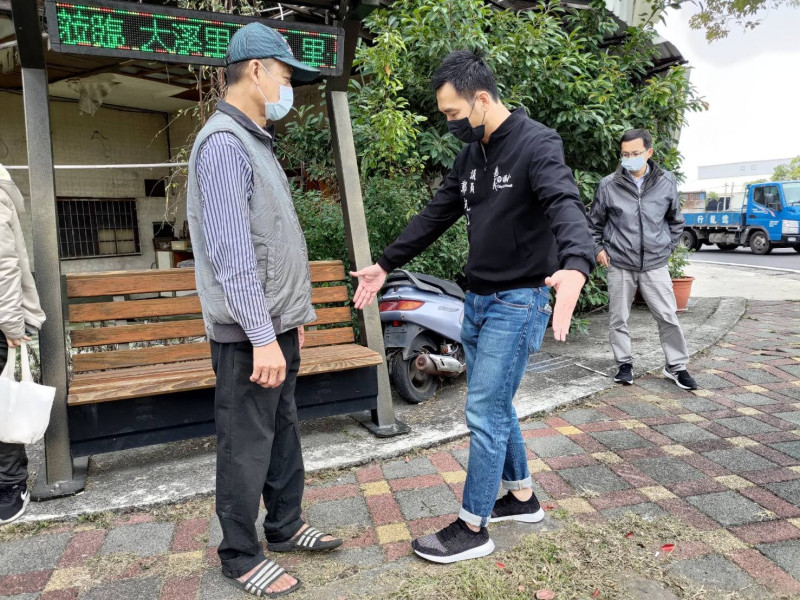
x: 62, y: 476
x: 382, y: 422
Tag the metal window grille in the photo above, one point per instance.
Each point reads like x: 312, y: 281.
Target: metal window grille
x: 97, y: 228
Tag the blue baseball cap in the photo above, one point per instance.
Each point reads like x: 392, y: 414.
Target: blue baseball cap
x: 257, y: 41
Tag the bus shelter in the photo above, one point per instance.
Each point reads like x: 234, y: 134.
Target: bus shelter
x: 132, y: 30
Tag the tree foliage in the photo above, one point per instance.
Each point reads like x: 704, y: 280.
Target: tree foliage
x: 573, y: 70
x: 788, y: 172
x: 716, y: 17
x: 559, y: 64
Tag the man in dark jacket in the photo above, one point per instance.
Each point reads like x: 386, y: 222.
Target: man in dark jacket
x: 527, y: 231
x: 636, y: 218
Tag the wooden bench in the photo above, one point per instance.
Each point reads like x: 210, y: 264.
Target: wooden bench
x: 122, y: 397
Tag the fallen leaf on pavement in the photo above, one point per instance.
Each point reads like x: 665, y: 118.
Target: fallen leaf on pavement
x: 500, y: 565
x: 545, y: 595
x: 668, y: 547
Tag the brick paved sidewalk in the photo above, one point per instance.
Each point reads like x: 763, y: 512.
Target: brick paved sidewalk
x: 725, y: 460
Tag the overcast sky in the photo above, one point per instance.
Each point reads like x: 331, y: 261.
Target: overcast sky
x: 751, y: 80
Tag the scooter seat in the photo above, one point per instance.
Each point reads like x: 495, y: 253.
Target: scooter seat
x: 425, y: 282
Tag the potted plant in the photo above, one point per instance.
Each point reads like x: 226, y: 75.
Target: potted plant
x: 681, y: 283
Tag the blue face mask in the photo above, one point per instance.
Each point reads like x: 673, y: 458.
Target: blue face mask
x: 276, y: 111
x: 634, y: 163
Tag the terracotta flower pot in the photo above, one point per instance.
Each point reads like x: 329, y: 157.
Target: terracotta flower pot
x: 682, y: 289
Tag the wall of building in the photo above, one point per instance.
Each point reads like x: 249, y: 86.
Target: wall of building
x: 109, y: 136
x: 633, y: 12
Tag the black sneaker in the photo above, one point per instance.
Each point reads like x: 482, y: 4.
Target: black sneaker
x: 681, y: 378
x: 454, y: 543
x: 13, y: 500
x: 508, y: 508
x: 624, y: 375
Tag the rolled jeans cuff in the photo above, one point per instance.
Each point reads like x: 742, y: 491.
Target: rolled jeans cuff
x: 475, y: 520
x: 524, y: 484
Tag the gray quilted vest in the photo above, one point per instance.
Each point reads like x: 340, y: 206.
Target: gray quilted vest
x: 279, y: 244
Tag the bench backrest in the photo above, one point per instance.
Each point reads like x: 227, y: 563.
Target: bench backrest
x: 177, y: 317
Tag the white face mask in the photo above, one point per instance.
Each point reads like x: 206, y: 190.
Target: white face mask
x: 634, y: 163
x: 275, y: 111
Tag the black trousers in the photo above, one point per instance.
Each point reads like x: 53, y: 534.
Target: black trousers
x: 258, y: 454
x: 13, y: 460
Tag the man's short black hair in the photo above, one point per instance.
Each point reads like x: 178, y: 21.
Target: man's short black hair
x: 468, y: 73
x: 234, y: 72
x: 638, y: 134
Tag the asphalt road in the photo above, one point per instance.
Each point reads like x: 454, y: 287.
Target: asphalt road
x: 779, y: 258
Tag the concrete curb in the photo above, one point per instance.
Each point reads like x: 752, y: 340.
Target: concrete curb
x: 742, y: 266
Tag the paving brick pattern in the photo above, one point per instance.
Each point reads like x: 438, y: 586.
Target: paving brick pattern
x: 724, y: 459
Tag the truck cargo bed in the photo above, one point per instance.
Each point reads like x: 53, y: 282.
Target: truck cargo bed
x: 713, y: 219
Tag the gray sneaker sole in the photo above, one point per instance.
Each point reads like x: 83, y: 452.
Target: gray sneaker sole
x: 477, y: 552
x: 524, y: 518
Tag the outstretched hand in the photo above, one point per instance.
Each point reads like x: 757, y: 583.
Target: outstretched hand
x: 370, y: 282
x: 568, y: 285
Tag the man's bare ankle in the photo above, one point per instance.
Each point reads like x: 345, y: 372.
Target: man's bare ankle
x: 523, y: 495
x: 473, y: 528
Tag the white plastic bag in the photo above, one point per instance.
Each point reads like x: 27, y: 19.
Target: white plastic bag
x: 24, y: 405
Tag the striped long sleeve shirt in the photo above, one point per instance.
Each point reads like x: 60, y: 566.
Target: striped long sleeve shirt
x: 225, y: 178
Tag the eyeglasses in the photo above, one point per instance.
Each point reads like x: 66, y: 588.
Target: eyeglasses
x: 633, y: 154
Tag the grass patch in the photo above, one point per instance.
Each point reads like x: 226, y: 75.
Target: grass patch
x: 17, y: 531
x: 193, y: 509
x: 578, y: 562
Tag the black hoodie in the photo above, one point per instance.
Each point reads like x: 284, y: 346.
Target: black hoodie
x: 525, y: 219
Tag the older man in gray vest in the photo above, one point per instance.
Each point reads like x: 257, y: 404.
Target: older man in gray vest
x: 254, y: 283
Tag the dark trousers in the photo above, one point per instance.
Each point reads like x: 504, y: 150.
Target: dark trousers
x: 258, y: 454
x: 13, y: 460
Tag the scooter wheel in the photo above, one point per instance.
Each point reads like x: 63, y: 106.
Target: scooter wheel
x: 412, y: 384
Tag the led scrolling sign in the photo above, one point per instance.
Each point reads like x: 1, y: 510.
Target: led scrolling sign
x: 165, y: 34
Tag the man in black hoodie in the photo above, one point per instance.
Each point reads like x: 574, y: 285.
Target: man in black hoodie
x: 527, y: 231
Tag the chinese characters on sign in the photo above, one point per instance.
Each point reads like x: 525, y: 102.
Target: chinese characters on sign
x: 173, y: 35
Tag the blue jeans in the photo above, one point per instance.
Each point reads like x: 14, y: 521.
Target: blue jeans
x: 498, y: 334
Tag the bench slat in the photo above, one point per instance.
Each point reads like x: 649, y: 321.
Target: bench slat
x: 167, y: 307
x: 327, y: 270
x: 134, y: 309
x: 133, y: 383
x: 99, y: 336
x: 148, y: 386
x: 119, y: 283
x: 132, y: 373
x: 329, y: 295
x: 330, y: 337
x: 329, y: 316
x: 118, y: 359
x: 327, y: 359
